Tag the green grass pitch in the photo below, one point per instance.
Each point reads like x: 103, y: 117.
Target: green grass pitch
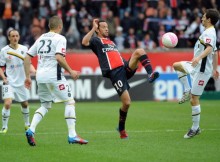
x: 155, y: 131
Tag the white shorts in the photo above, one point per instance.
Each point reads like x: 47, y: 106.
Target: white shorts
x: 19, y: 94
x: 59, y: 91
x: 198, y: 79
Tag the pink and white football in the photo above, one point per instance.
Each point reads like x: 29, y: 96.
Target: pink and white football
x: 169, y: 40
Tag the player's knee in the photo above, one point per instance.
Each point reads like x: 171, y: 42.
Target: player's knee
x: 24, y: 104
x: 178, y: 67
x: 126, y: 104
x: 70, y: 102
x: 140, y: 51
x: 194, y: 100
x: 175, y: 65
x: 7, y: 104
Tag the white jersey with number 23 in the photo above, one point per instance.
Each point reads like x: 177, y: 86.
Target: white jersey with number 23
x: 46, y: 47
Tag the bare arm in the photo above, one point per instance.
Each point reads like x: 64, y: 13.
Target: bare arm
x: 32, y: 69
x: 88, y: 36
x: 62, y: 62
x: 27, y: 64
x: 215, y: 61
x: 4, y: 78
x: 215, y: 65
x: 205, y: 53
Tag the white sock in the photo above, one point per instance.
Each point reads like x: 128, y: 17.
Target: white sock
x: 70, y: 117
x: 38, y: 116
x: 196, y: 110
x: 184, y: 80
x: 25, y: 112
x: 5, y: 117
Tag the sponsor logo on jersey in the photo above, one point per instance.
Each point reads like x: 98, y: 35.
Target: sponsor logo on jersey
x: 9, y: 57
x: 62, y: 87
x: 109, y: 48
x: 16, y: 66
x: 201, y: 82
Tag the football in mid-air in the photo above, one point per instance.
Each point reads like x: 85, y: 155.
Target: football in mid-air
x: 169, y: 40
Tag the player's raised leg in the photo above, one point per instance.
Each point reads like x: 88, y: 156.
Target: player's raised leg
x: 182, y: 75
x: 140, y: 55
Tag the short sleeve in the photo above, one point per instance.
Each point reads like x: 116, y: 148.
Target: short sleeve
x: 33, y: 50
x: 92, y: 41
x: 209, y: 39
x: 61, y: 46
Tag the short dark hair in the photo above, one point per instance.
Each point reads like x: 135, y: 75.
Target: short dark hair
x: 213, y: 14
x: 100, y: 22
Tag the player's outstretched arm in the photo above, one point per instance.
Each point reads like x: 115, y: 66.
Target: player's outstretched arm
x: 62, y: 62
x: 32, y: 69
x: 27, y: 64
x: 88, y: 36
x: 215, y: 65
x: 205, y: 53
x: 4, y: 78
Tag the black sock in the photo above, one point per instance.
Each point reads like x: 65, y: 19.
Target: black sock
x: 122, y: 119
x: 146, y: 63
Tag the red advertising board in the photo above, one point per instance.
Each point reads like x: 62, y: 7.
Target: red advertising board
x: 96, y: 88
x: 87, y: 63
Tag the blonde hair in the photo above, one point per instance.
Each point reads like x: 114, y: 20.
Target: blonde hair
x: 54, y: 22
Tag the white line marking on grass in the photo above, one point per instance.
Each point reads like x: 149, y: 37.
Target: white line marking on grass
x: 107, y: 132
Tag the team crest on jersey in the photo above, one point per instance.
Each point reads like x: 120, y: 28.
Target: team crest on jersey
x: 10, y: 57
x: 62, y: 87
x: 201, y: 82
x: 208, y: 40
x: 22, y: 52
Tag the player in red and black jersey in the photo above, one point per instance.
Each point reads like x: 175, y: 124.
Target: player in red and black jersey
x: 114, y: 67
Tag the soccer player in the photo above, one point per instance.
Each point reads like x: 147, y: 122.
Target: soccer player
x: 200, y: 68
x: 11, y: 60
x: 114, y: 67
x: 52, y: 85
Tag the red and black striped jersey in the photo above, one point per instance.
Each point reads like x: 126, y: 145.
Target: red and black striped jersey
x: 107, y: 53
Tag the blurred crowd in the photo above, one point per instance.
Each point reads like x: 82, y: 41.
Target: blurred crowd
x: 132, y: 23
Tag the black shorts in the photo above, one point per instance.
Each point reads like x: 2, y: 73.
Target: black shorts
x: 119, y: 78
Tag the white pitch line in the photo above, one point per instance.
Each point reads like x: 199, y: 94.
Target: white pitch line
x: 107, y: 132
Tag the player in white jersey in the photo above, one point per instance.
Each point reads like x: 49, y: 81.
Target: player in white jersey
x: 52, y: 85
x: 200, y: 68
x: 11, y: 59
